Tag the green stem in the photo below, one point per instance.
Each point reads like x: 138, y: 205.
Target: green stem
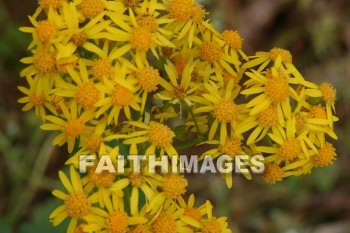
x: 189, y: 109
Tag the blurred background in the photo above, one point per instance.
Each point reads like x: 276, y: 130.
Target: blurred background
x: 317, y: 32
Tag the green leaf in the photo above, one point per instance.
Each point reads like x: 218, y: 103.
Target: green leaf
x: 181, y: 132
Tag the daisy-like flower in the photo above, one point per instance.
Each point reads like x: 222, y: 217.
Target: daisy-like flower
x: 43, y: 66
x: 273, y: 88
x: 115, y: 219
x: 173, y: 187
x: 169, y: 220
x: 45, y: 32
x: 93, y: 8
x: 328, y: 94
x: 223, y: 108
x: 178, y: 89
x: 276, y: 55
x: 232, y: 43
x: 119, y: 95
x: 137, y: 37
x: 81, y: 88
x: 213, y: 224
x: 261, y: 123
x: 187, y: 19
x: 156, y: 135
x: 71, y: 126
x: 215, y: 55
x: 148, y: 79
x: 46, y: 5
x: 78, y: 204
x: 192, y: 215
x: 289, y: 147
x: 76, y: 35
x: 35, y: 99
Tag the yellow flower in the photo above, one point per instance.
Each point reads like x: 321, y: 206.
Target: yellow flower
x: 45, y: 32
x: 156, y: 134
x: 192, y: 215
x: 216, y: 56
x: 213, y: 224
x: 223, y: 108
x: 82, y: 89
x: 77, y: 203
x: 43, y: 66
x: 115, y: 219
x: 173, y: 187
x: 119, y: 95
x: 35, y: 99
x: 272, y: 88
x: 169, y: 220
x: 178, y: 89
x: 71, y: 126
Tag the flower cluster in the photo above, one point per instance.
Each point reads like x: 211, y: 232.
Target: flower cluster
x: 145, y: 77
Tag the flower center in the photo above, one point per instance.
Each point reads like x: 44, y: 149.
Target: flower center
x: 225, y: 111
x: 77, y: 205
x: 80, y: 229
x: 290, y: 149
x: 148, y: 79
x: 131, y: 3
x: 180, y: 64
x: 231, y: 147
x: 164, y: 224
x: 44, y: 63
x: 91, y: 8
x: 147, y: 21
x: 181, y: 9
x: 160, y: 135
x: 121, y: 96
x: 79, y: 38
x: 74, y: 128
x: 93, y: 143
x: 210, y: 51
x: 103, y: 179
x: 117, y: 222
x: 285, y: 55
x: 46, y: 31
x: 141, y: 229
x: 196, y: 77
x: 198, y: 13
x: 102, y: 68
x: 233, y: 39
x: 174, y: 185
x: 328, y: 93
x: 87, y: 95
x: 193, y: 213
x: 37, y: 100
x: 318, y: 112
x: 141, y: 39
x: 167, y: 51
x: 272, y: 173
x: 136, y: 179
x: 325, y: 155
x: 277, y: 89
x: 269, y: 117
x: 179, y: 92
x: 211, y: 226
x: 47, y: 4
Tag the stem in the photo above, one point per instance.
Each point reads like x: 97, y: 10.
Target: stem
x: 190, y: 144
x: 189, y: 109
